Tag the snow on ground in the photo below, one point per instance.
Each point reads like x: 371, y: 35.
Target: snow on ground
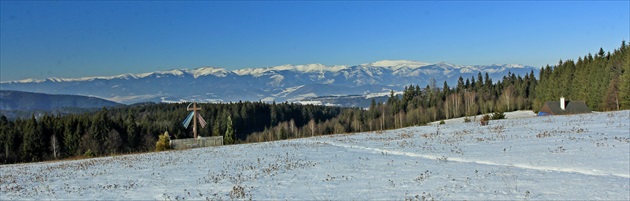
x: 508, y: 115
x: 576, y: 157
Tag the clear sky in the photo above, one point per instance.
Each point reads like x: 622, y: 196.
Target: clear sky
x: 76, y: 39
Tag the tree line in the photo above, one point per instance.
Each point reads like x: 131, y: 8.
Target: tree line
x: 135, y: 128
x: 602, y: 80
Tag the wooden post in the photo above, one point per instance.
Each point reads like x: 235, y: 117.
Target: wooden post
x: 194, y: 109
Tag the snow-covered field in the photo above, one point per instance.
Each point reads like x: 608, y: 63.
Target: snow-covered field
x: 576, y: 157
x: 508, y: 115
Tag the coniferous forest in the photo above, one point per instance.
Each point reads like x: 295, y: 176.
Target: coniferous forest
x: 601, y: 80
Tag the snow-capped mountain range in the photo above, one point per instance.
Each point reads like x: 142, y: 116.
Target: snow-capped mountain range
x: 279, y: 83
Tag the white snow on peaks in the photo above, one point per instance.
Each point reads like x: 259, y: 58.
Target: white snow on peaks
x: 123, y: 76
x: 157, y: 74
x: 467, y: 69
x: 29, y: 80
x: 203, y: 71
x: 318, y: 67
x: 509, y: 65
x: 276, y: 80
x: 257, y: 72
x: 126, y: 76
x: 378, y: 68
x: 447, y: 65
x: 396, y: 64
x: 173, y: 72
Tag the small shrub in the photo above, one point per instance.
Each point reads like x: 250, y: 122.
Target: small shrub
x: 237, y: 192
x: 466, y: 119
x: 484, y: 120
x: 498, y: 115
x: 442, y: 122
x: 88, y: 153
x: 163, y: 143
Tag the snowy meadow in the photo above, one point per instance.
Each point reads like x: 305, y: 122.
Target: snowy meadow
x: 571, y: 157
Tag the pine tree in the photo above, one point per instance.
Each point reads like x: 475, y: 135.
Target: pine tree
x: 460, y: 84
x: 532, y: 85
x: 229, y: 132
x: 487, y: 83
x: 100, y: 130
x: 9, y: 140
x: 479, y: 83
x: 31, y: 149
x: 601, y: 53
x: 624, y: 79
x: 216, y: 128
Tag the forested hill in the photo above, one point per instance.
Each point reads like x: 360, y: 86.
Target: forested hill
x: 602, y: 80
x: 18, y: 100
x: 135, y: 128
x: 19, y: 104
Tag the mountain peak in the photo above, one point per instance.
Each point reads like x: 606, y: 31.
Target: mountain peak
x: 514, y: 65
x: 397, y: 64
x: 305, y: 68
x: 207, y: 70
x: 317, y: 67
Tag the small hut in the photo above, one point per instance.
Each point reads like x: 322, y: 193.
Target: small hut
x: 563, y: 107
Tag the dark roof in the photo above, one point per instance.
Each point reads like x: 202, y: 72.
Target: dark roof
x: 571, y: 107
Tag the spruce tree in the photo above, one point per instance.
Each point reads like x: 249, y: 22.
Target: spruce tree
x: 216, y: 128
x: 229, y: 132
x: 33, y: 144
x: 624, y: 79
x: 479, y: 83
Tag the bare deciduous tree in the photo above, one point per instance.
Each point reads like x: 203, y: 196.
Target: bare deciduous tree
x: 469, y: 101
x: 311, y: 124
x: 508, y: 96
x: 54, y: 145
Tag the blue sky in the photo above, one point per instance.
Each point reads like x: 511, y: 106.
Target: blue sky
x: 78, y: 39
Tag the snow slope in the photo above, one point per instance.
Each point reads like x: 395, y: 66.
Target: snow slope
x: 508, y: 115
x: 576, y: 157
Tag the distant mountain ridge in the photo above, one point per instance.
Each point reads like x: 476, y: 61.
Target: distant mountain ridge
x: 279, y: 83
x: 18, y: 100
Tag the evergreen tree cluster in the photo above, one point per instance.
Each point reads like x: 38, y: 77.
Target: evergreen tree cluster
x: 602, y: 81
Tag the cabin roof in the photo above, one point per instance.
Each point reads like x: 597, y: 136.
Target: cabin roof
x: 571, y: 107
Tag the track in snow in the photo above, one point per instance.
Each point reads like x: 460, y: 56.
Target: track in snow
x: 482, y: 162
